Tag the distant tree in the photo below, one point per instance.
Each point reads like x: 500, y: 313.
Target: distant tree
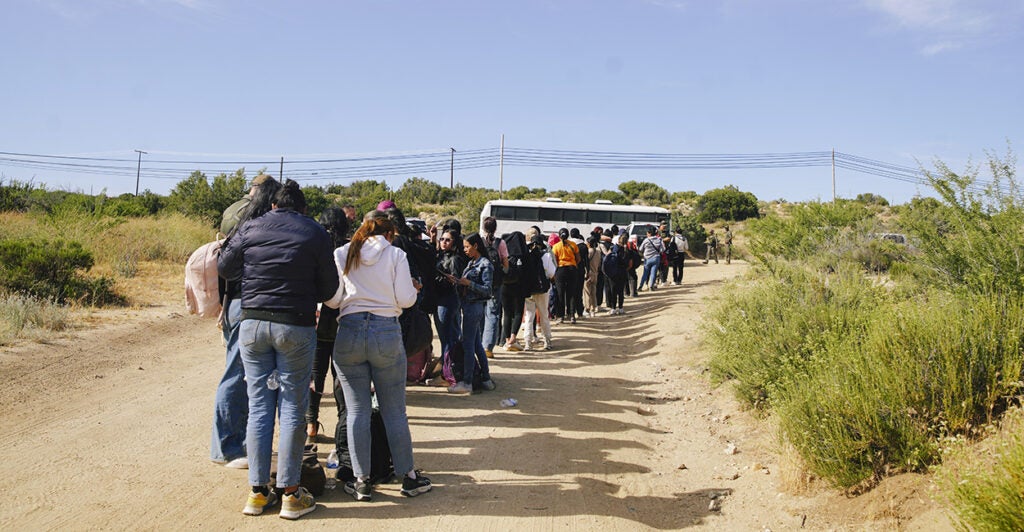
x: 418, y: 190
x: 689, y: 197
x: 517, y: 193
x: 727, y: 203
x: 644, y: 192
x: 872, y: 199
x: 316, y: 200
x: 194, y: 197
x: 364, y: 195
x: 227, y: 189
x: 693, y: 230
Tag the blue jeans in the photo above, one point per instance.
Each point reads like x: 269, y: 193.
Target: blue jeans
x: 472, y: 344
x: 492, y: 321
x: 448, y: 330
x: 369, y: 348
x: 289, y: 349
x: 231, y: 402
x: 650, y: 271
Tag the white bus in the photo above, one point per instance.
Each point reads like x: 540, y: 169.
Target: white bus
x: 553, y: 214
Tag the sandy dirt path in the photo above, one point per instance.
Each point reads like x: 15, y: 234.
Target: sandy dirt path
x: 616, y: 429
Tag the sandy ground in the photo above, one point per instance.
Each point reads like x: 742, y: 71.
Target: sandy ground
x: 616, y: 429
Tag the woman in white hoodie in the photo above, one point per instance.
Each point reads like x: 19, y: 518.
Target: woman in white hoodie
x: 375, y: 287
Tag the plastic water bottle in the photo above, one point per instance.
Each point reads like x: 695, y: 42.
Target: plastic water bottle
x: 273, y: 381
x: 332, y: 470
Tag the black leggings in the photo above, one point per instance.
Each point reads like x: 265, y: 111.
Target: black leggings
x: 618, y: 286
x: 511, y: 310
x: 321, y: 364
x: 565, y: 285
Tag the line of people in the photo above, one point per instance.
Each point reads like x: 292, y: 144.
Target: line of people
x: 277, y: 264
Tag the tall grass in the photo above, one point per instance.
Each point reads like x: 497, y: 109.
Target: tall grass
x: 868, y: 373
x: 883, y: 401
x: 768, y: 332
x: 28, y: 317
x: 985, y: 485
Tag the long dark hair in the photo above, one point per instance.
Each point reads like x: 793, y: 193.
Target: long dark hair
x: 291, y: 197
x: 336, y: 223
x: 374, y: 223
x: 477, y: 241
x: 260, y: 203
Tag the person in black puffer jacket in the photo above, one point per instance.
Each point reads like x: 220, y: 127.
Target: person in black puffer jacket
x: 285, y: 262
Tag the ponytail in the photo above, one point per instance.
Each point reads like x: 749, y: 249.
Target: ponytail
x: 374, y: 223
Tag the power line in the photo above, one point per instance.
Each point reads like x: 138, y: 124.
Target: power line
x: 322, y: 168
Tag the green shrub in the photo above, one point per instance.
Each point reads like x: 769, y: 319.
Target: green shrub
x: 971, y: 240
x: 50, y: 270
x: 985, y: 489
x: 766, y: 333
x: 727, y: 203
x: 884, y: 398
x: 809, y: 230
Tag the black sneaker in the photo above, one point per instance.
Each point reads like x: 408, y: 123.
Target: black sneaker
x: 359, y: 490
x: 413, y: 487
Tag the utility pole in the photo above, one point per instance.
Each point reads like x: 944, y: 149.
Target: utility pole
x: 452, y: 185
x: 501, y: 168
x: 280, y: 174
x: 138, y: 172
x: 833, y: 175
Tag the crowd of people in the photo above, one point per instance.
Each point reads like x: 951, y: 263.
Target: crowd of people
x: 303, y: 299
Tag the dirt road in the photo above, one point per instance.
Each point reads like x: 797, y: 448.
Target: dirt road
x: 616, y: 429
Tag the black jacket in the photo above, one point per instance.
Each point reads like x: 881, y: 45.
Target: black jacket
x: 285, y: 262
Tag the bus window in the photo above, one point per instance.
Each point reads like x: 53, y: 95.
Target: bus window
x: 599, y: 217
x: 528, y: 214
x: 575, y: 216
x: 622, y: 218
x: 503, y: 213
x: 551, y: 215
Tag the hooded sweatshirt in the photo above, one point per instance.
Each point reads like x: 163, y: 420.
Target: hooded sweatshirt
x: 380, y: 284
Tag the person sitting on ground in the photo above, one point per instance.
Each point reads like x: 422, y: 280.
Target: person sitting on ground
x: 376, y: 285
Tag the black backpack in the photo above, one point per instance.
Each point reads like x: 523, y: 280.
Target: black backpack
x: 515, y: 243
x: 492, y: 255
x: 613, y: 262
x: 672, y: 249
x: 423, y: 265
x: 534, y: 280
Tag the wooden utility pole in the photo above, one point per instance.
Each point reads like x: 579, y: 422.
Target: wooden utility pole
x: 138, y: 172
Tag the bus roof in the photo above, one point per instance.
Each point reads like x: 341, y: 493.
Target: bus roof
x: 587, y: 206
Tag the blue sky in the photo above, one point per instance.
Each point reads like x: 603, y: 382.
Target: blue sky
x: 898, y: 81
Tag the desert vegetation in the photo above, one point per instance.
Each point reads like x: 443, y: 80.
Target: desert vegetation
x: 872, y: 355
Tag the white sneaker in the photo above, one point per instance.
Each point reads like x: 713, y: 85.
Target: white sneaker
x: 527, y: 346
x: 238, y: 463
